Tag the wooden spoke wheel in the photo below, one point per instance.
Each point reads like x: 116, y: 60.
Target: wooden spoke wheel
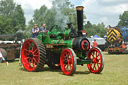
x: 68, y: 61
x: 97, y: 64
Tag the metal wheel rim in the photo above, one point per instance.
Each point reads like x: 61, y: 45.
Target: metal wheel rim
x: 67, y: 68
x: 96, y: 64
x: 30, y: 55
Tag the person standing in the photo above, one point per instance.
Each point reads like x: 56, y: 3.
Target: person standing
x: 94, y: 43
x: 123, y: 45
x: 43, y: 28
x: 35, y: 31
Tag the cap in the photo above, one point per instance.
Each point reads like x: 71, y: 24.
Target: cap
x: 79, y: 8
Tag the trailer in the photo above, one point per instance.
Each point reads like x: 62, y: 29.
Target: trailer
x: 10, y: 45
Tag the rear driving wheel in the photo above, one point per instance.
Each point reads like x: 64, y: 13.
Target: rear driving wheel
x: 97, y: 64
x: 68, y: 61
x: 33, y: 55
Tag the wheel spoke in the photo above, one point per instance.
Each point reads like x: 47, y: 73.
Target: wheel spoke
x: 32, y: 60
x: 67, y: 55
x: 33, y: 47
x: 27, y: 58
x: 29, y: 44
x: 70, y: 66
x: 97, y: 55
x: 26, y: 50
x: 36, y: 55
x: 26, y: 61
x: 67, y: 67
x: 70, y: 61
x: 65, y: 58
x: 98, y: 66
x: 98, y: 63
x: 93, y: 54
x: 33, y: 64
x: 36, y: 62
x: 93, y: 66
x: 35, y: 50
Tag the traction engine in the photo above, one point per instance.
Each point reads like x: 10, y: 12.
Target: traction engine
x: 62, y: 48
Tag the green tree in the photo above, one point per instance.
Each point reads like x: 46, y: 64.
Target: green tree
x: 5, y: 25
x: 43, y: 15
x: 123, y: 19
x: 94, y: 29
x: 88, y: 25
x: 61, y: 12
x: 101, y: 30
x: 7, y: 7
x: 18, y: 19
x: 14, y: 12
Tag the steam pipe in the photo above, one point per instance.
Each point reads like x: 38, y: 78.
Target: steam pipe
x: 80, y: 19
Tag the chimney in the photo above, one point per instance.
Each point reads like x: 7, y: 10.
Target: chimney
x: 80, y: 19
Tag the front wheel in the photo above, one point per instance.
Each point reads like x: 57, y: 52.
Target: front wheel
x: 97, y: 64
x: 68, y: 61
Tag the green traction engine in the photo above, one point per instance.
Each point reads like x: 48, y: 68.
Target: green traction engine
x: 62, y: 48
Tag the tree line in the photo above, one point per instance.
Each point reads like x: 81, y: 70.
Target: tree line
x: 12, y: 18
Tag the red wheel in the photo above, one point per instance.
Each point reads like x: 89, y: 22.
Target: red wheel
x: 68, y: 61
x: 97, y: 64
x: 33, y: 54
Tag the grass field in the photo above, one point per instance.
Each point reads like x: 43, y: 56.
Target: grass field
x: 115, y: 72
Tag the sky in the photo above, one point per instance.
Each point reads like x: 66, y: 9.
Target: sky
x: 96, y: 11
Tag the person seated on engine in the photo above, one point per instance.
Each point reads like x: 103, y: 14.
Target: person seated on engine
x: 35, y: 31
x: 43, y: 28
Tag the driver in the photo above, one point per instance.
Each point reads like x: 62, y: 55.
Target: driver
x: 43, y: 28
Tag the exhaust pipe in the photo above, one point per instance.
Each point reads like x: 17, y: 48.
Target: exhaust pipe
x: 80, y: 19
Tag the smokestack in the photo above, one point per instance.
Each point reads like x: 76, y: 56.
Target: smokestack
x: 80, y: 19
